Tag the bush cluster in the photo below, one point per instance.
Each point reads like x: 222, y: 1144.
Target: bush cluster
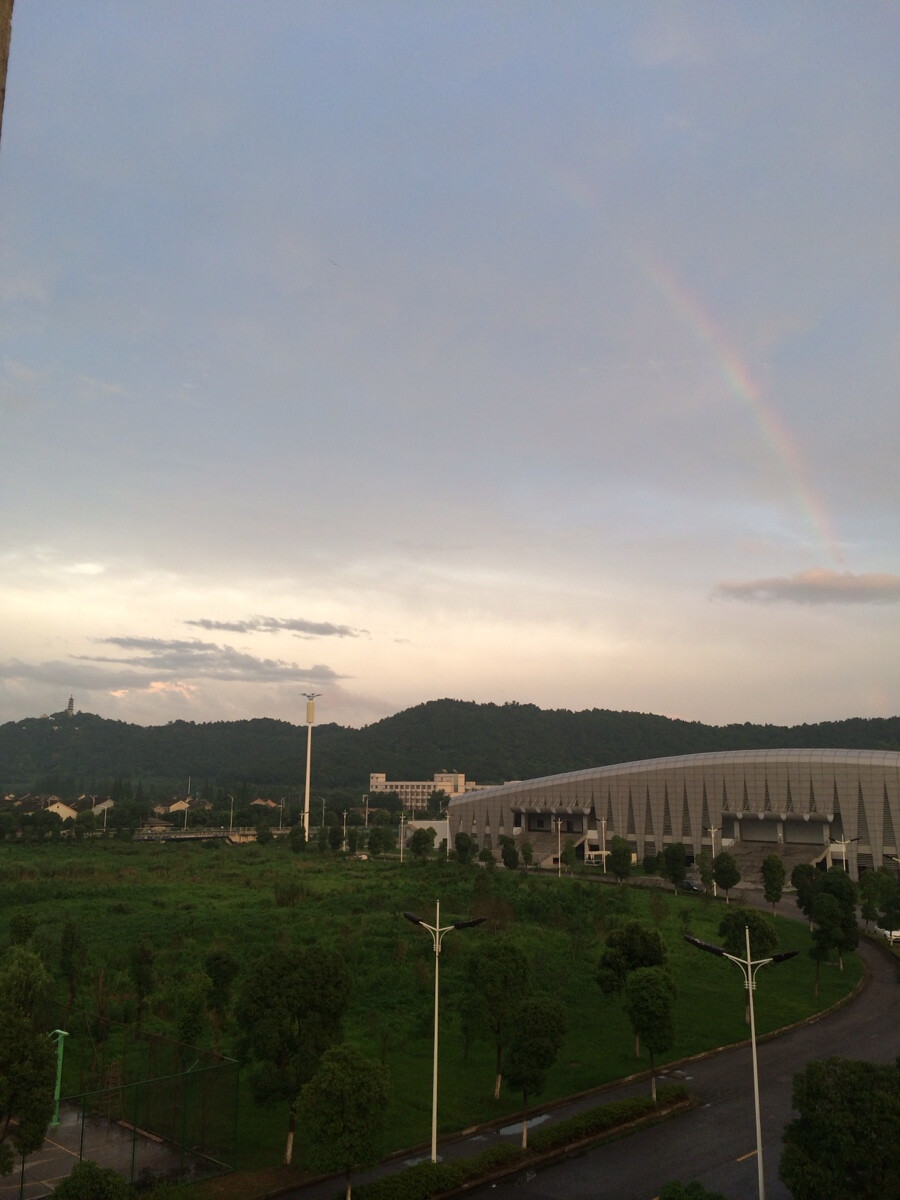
x: 428, y: 1179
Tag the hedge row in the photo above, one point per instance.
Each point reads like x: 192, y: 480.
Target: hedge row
x: 428, y: 1179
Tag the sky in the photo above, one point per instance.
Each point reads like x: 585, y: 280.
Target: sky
x: 500, y: 351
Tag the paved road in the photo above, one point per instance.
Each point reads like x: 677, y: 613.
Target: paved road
x: 716, y: 1142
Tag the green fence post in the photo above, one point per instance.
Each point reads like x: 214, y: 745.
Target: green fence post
x: 60, y: 1035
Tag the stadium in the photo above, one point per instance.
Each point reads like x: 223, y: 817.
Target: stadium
x: 803, y: 804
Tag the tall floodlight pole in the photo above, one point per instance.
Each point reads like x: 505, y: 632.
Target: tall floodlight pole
x: 749, y: 968
x: 437, y: 932
x: 311, y: 698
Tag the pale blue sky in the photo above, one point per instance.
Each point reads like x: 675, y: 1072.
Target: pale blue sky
x: 533, y: 351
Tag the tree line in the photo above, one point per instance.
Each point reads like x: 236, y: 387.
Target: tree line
x: 490, y: 743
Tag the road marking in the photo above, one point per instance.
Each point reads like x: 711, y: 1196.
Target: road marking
x: 745, y: 1156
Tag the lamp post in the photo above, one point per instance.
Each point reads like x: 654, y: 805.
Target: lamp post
x: 559, y: 847
x: 231, y: 814
x: 843, y: 843
x: 366, y: 802
x: 713, y: 830
x: 311, y: 698
x: 603, y: 850
x: 749, y: 968
x: 402, y: 815
x: 437, y: 932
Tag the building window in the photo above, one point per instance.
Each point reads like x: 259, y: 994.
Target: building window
x: 539, y: 823
x: 517, y: 820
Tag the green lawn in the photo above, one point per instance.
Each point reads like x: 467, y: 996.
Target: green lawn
x: 187, y: 899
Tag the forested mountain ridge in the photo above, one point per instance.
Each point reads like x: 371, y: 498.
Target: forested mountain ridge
x: 490, y: 743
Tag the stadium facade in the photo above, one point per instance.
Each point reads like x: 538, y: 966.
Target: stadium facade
x: 822, y: 801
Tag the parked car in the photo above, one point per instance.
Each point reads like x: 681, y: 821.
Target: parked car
x: 691, y: 885
x: 892, y: 935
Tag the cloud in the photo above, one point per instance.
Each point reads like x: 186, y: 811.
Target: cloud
x: 296, y: 625
x: 816, y: 586
x: 156, y: 663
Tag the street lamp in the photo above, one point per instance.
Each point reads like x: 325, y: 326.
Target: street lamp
x: 843, y: 843
x: 437, y: 932
x: 749, y: 968
x: 559, y: 847
x: 603, y: 823
x: 713, y: 830
x: 311, y: 698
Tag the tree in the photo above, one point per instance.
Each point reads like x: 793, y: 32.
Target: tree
x: 774, y: 875
x: 264, y: 834
x: 496, y: 980
x: 533, y: 1050
x: 675, y: 864
x: 290, y: 1010
x: 620, y: 858
x: 629, y: 948
x: 804, y: 881
x: 90, y: 1181
x: 707, y: 876
x: 141, y: 969
x: 343, y: 1110
x: 22, y: 926
x: 763, y: 938
x: 221, y: 971
x: 650, y: 864
x: 889, y: 908
x: 72, y: 956
x: 725, y: 872
x: 509, y: 854
x: 650, y: 1004
x: 381, y: 839
x: 297, y: 838
x: 844, y: 1143
x: 463, y: 846
x: 687, y: 1191
x: 421, y: 843
x: 27, y: 1056
x: 838, y: 884
x: 527, y: 852
x: 85, y: 824
x: 568, y: 856
x: 874, y: 886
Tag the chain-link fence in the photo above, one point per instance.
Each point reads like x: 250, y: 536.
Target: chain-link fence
x: 161, y: 1108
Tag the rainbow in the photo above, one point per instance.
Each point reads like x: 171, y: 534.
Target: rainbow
x: 742, y: 385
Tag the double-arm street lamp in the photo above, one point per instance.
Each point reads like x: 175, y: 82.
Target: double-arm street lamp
x: 437, y: 932
x: 749, y: 968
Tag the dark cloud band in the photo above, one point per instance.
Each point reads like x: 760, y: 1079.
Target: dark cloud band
x: 296, y: 625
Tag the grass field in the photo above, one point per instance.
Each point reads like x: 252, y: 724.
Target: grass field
x: 188, y: 899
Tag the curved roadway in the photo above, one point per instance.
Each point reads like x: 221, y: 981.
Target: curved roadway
x: 715, y: 1142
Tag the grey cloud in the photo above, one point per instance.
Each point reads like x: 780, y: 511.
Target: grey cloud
x: 816, y: 586
x: 275, y: 624
x: 155, y: 660
x: 207, y: 660
x: 70, y: 674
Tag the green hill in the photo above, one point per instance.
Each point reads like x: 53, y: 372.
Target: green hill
x: 491, y: 743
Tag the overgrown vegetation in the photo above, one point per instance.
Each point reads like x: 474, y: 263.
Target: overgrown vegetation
x: 204, y: 921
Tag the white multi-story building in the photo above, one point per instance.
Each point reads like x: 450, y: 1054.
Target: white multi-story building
x: 415, y: 793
